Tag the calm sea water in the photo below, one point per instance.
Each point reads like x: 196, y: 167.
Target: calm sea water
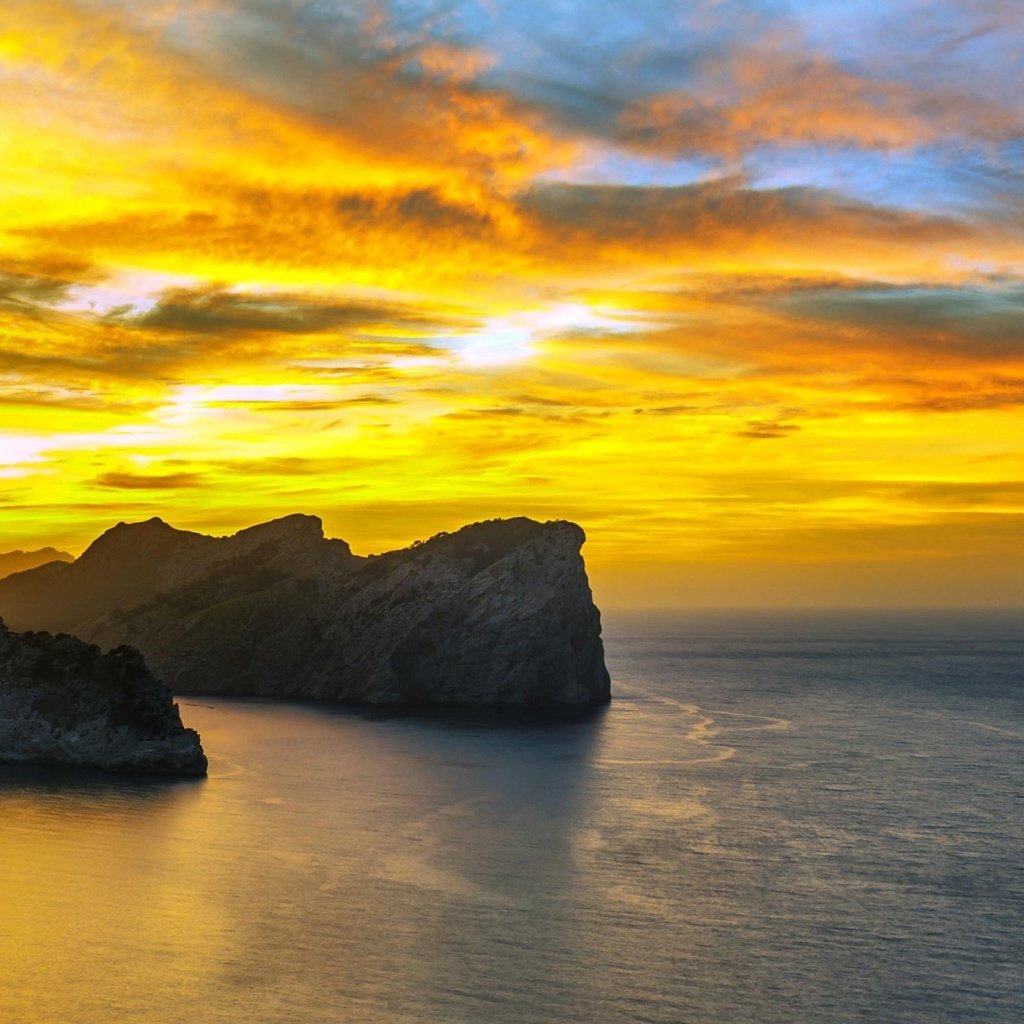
x: 803, y: 819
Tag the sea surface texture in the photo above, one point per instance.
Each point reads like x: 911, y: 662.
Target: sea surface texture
x: 792, y: 819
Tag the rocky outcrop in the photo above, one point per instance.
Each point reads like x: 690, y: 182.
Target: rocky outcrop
x: 19, y: 561
x: 64, y: 702
x: 498, y: 613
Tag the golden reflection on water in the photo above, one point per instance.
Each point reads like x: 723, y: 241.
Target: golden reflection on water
x: 92, y: 873
x: 322, y: 856
x: 313, y: 873
x: 665, y: 861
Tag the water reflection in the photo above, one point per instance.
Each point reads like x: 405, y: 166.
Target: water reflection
x: 90, y: 873
x: 326, y: 853
x: 747, y: 834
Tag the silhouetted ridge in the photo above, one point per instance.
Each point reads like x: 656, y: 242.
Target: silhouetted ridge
x: 296, y: 525
x: 20, y: 561
x: 139, y: 543
x: 498, y: 612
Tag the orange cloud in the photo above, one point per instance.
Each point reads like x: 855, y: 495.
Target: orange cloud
x: 254, y: 260
x: 751, y: 97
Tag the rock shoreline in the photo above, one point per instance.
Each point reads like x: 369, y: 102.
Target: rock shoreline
x: 63, y: 702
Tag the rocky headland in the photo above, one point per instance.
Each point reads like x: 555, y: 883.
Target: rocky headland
x: 64, y: 702
x: 499, y: 613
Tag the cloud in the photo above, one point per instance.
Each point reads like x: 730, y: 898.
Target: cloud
x: 382, y: 146
x: 721, y: 80
x: 422, y: 209
x: 982, y: 321
x: 759, y: 430
x: 751, y: 98
x: 33, y: 286
x: 724, y: 230
x: 217, y: 310
x: 148, y: 482
x: 668, y: 410
x: 254, y: 253
x: 378, y: 237
x: 963, y: 495
x: 975, y: 393
x: 727, y: 214
x: 386, y: 79
x: 21, y: 293
x: 755, y: 328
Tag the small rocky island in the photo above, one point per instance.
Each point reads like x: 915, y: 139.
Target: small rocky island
x: 64, y: 702
x: 499, y: 613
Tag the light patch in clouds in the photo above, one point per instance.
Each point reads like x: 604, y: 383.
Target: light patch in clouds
x: 604, y: 164
x: 21, y: 450
x: 252, y: 394
x: 514, y: 337
x: 187, y: 407
x: 441, y: 254
x: 130, y: 294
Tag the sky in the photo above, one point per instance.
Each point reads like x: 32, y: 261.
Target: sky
x: 737, y: 286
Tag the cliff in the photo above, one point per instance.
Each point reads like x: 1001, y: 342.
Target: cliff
x: 63, y: 702
x: 498, y: 613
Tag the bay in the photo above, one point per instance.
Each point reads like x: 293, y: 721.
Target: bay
x: 782, y: 817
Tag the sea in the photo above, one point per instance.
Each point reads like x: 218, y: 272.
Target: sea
x: 782, y: 818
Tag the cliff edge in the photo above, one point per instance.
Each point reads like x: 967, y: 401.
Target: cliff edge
x: 498, y: 613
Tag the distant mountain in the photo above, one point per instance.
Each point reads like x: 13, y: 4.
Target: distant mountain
x: 63, y: 702
x: 498, y: 613
x: 19, y: 561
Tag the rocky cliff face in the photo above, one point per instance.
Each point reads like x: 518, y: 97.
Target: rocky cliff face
x: 63, y: 702
x: 499, y: 613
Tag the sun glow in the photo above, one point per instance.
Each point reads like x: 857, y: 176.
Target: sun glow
x: 264, y: 258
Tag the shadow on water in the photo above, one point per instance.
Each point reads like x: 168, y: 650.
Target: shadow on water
x: 434, y: 854
x: 488, y: 868
x: 91, y: 783
x: 569, y: 722
x: 451, y: 715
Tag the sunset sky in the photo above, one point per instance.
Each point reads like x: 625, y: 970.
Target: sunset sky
x: 737, y: 286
